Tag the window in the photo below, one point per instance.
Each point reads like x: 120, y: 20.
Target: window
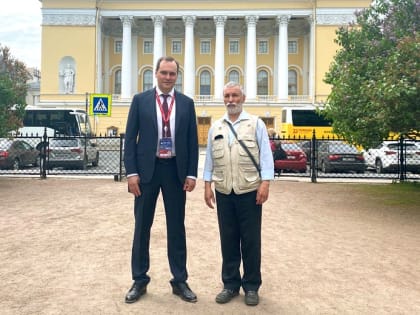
x: 234, y: 46
x: 309, y: 117
x: 292, y: 82
x: 205, y: 83
x: 176, y: 47
x: 147, y: 80
x: 263, y: 47
x: 205, y: 46
x: 178, y: 83
x: 293, y: 47
x: 262, y: 82
x: 147, y: 46
x: 117, y: 82
x: 118, y: 46
x: 234, y: 76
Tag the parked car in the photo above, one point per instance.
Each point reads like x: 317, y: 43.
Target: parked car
x: 386, y: 157
x: 294, y: 161
x: 306, y: 146
x: 70, y: 153
x: 16, y: 154
x: 340, y: 156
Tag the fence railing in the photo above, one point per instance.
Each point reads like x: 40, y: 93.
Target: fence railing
x: 335, y: 158
x: 312, y: 158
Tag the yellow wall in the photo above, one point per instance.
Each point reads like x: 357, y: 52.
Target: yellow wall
x: 325, y: 52
x: 203, y: 5
x: 62, y: 41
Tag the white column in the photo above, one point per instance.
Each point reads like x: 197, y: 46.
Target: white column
x: 283, y: 61
x: 126, y: 57
x: 189, y: 56
x: 107, y: 88
x: 134, y: 64
x: 305, y: 67
x: 251, y: 57
x: 219, y: 58
x: 99, y: 85
x: 157, y: 40
x: 311, y: 58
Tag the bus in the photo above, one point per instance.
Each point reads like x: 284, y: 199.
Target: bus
x: 56, y: 121
x: 63, y: 121
x: 300, y: 122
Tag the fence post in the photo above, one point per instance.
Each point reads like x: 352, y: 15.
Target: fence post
x: 313, y: 157
x: 121, y: 155
x: 43, y: 163
x: 402, y: 168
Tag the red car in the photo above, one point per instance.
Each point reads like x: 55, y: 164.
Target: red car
x: 295, y: 160
x: 16, y: 154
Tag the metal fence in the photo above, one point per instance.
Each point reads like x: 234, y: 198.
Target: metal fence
x: 311, y: 158
x: 396, y: 159
x: 99, y: 155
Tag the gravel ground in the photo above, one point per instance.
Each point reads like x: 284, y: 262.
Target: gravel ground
x: 328, y: 248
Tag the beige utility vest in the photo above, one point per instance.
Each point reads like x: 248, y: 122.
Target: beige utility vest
x: 232, y: 167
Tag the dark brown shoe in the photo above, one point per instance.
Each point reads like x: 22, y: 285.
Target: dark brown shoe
x: 135, y: 292
x: 226, y: 295
x: 251, y: 298
x: 184, y: 292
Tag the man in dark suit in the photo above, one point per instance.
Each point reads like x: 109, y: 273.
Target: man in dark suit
x: 161, y: 154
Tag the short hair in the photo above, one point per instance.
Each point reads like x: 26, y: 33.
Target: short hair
x: 234, y: 84
x: 168, y: 59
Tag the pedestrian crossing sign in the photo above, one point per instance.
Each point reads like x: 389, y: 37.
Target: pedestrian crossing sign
x: 100, y: 104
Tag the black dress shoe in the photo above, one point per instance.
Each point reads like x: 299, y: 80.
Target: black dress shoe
x: 184, y: 292
x: 135, y: 292
x: 226, y: 295
x: 251, y: 298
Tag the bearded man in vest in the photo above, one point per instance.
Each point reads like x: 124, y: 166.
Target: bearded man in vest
x: 239, y: 162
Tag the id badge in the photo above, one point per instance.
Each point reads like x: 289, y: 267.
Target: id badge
x: 165, y: 148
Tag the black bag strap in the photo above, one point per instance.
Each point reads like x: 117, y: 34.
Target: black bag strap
x: 244, y: 147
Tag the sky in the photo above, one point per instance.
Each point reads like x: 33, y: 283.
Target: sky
x: 20, y: 30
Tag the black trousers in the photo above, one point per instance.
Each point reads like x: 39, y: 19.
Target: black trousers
x: 240, y: 234
x: 165, y: 179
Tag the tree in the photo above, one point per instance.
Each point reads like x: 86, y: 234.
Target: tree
x: 13, y: 89
x: 375, y: 75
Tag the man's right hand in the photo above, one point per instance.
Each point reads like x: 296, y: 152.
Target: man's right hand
x: 134, y: 185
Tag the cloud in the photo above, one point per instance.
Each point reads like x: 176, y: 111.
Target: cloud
x: 20, y: 30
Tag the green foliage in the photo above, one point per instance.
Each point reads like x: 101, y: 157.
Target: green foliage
x: 13, y: 90
x: 375, y: 74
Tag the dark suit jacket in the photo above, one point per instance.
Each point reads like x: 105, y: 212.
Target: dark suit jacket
x: 141, y: 137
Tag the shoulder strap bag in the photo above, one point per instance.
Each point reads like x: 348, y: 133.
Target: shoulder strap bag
x: 245, y: 148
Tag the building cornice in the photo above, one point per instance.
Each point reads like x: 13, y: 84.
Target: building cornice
x: 335, y: 16
x: 87, y: 17
x: 69, y: 17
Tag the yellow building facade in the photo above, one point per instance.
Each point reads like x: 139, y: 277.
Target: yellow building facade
x: 279, y: 51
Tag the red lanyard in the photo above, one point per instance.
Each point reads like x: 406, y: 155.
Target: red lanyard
x: 165, y: 117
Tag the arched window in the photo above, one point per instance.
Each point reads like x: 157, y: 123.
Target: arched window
x: 234, y: 76
x: 117, y: 82
x: 205, y: 83
x: 178, y: 83
x: 292, y: 82
x: 262, y: 82
x: 147, y: 80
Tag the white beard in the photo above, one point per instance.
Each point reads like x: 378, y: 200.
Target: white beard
x: 234, y: 109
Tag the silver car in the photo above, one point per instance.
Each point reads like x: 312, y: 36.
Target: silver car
x: 72, y: 153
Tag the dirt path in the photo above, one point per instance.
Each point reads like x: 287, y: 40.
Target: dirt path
x: 327, y: 249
